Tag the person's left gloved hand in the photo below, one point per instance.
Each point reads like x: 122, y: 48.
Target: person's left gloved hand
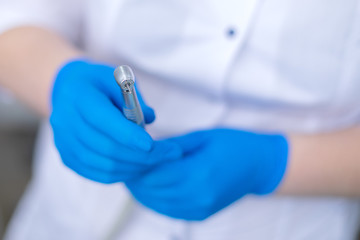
x: 218, y: 167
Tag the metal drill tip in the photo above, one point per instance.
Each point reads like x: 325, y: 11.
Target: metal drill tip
x: 124, y: 76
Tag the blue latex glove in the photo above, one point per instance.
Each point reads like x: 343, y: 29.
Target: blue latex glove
x: 92, y: 135
x: 218, y: 167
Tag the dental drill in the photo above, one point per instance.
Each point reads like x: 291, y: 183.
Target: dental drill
x: 125, y: 78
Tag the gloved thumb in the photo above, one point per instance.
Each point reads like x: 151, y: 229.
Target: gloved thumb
x: 190, y: 142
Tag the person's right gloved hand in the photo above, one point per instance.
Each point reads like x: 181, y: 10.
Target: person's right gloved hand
x: 92, y: 135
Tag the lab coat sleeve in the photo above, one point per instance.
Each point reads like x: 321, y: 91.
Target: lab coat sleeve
x: 62, y: 16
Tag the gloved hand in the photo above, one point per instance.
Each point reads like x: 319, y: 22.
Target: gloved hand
x: 92, y: 135
x: 218, y: 167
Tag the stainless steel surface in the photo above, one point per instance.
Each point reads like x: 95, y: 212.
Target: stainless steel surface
x: 125, y: 78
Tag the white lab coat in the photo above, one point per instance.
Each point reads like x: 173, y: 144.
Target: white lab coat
x: 264, y: 65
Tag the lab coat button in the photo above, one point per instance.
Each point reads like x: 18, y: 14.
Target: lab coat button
x: 230, y: 32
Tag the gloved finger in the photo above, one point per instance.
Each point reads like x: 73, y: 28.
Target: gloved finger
x: 172, y: 201
x: 168, y: 175
x: 164, y: 151
x: 168, y: 202
x: 144, y: 191
x: 95, y: 174
x: 99, y: 112
x: 92, y: 159
x: 110, y: 86
x: 107, y: 147
x: 172, y: 174
x: 190, y: 142
x: 126, y: 160
x: 82, y: 160
x: 98, y: 162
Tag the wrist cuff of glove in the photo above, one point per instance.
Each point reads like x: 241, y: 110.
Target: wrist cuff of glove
x: 273, y: 170
x: 61, y: 69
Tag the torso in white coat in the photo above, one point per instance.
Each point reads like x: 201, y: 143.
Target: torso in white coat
x: 261, y: 65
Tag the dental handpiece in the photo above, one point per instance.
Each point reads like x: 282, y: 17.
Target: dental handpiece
x: 125, y: 78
